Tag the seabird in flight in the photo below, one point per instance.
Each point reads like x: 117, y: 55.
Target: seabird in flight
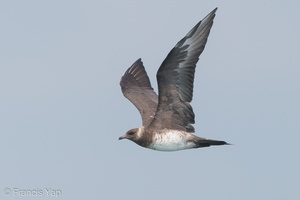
x: 167, y: 117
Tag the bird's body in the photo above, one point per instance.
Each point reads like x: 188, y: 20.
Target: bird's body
x: 168, y: 139
x: 172, y: 140
x: 167, y: 117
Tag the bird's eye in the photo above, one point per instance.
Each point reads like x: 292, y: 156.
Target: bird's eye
x: 130, y: 133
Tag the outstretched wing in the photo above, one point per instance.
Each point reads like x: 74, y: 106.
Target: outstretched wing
x: 175, y: 79
x: 136, y: 87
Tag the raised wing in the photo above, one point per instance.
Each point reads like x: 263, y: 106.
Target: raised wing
x: 136, y: 87
x: 175, y: 79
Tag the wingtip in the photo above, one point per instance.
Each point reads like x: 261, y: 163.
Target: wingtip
x: 214, y: 10
x: 136, y: 64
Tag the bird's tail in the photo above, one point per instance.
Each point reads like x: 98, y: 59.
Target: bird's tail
x: 207, y: 143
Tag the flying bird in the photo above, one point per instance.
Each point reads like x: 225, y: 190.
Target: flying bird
x: 167, y: 117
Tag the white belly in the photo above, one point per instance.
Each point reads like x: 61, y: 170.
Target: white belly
x: 171, y: 141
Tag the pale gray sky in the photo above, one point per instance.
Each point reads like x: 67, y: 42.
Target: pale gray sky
x: 62, y: 110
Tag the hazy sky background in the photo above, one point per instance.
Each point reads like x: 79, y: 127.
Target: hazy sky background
x: 62, y: 110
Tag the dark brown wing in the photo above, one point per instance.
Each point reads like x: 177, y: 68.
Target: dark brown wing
x: 136, y: 87
x: 175, y: 79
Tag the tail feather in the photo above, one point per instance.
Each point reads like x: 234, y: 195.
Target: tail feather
x: 207, y: 143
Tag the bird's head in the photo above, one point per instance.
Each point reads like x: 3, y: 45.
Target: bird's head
x: 132, y: 135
